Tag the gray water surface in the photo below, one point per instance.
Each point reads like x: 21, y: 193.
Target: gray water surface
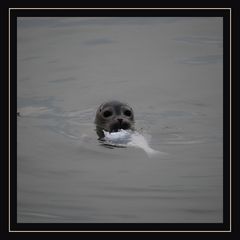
x: 169, y: 70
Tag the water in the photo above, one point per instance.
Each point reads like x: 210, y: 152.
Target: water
x: 169, y: 70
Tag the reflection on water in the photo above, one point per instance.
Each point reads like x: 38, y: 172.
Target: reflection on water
x: 169, y: 70
x: 203, y: 59
x: 200, y: 40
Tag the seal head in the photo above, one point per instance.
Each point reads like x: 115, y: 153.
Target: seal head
x: 113, y: 116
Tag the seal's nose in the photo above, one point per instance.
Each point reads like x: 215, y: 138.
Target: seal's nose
x: 120, y: 120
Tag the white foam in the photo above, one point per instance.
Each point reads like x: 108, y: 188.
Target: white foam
x: 129, y: 138
x: 121, y: 137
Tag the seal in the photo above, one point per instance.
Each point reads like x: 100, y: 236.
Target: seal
x: 112, y: 116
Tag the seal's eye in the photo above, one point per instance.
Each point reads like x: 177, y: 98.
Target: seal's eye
x: 127, y: 113
x: 107, y: 114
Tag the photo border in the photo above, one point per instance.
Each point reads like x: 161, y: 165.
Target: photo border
x: 226, y: 226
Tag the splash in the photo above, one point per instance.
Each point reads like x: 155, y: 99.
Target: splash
x: 124, y: 138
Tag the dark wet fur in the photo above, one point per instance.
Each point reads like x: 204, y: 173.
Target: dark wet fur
x: 118, y: 116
